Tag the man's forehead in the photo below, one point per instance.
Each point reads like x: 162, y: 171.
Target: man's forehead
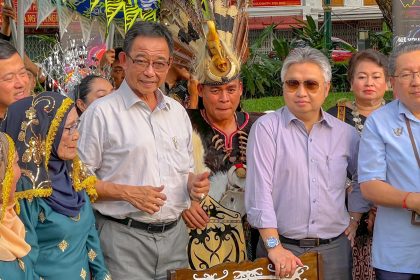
x: 306, y: 68
x: 413, y: 58
x: 233, y: 83
x: 8, y: 66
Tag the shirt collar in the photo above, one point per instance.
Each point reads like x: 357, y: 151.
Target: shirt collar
x: 130, y: 98
x: 325, y: 118
x: 402, y: 109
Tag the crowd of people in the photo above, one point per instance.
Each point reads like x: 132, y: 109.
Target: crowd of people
x: 130, y: 180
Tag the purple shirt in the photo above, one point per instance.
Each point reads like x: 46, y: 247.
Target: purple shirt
x: 297, y: 182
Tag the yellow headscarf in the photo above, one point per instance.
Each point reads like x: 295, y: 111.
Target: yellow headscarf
x: 12, y: 231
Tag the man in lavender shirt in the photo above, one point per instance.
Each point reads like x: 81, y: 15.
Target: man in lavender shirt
x: 299, y: 159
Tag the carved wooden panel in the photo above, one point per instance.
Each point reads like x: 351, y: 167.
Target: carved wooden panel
x: 259, y: 269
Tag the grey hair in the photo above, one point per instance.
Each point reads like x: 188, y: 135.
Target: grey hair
x: 400, y: 49
x: 304, y: 55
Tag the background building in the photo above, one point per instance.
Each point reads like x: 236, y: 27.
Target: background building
x: 348, y: 17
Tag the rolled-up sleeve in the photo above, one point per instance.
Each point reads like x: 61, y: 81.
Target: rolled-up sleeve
x: 356, y: 202
x: 372, y: 161
x: 261, y: 154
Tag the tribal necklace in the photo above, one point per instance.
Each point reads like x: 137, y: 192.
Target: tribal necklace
x: 356, y: 116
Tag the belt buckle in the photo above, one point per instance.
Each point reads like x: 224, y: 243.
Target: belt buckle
x: 309, y: 242
x: 157, y: 229
x: 149, y: 228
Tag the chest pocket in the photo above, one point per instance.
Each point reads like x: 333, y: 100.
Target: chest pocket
x: 178, y: 153
x: 337, y: 172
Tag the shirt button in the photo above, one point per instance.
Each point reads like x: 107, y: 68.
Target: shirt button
x: 314, y: 200
x: 313, y: 180
x: 313, y: 222
x: 312, y: 160
x: 310, y: 139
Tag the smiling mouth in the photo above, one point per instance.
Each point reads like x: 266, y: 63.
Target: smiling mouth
x: 20, y: 95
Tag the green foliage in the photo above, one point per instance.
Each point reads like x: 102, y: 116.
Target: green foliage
x: 274, y: 103
x: 260, y: 74
x: 339, y: 76
x: 45, y: 40
x: 382, y: 40
x: 311, y: 34
x: 281, y: 48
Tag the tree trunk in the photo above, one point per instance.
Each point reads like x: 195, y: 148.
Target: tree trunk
x: 386, y: 9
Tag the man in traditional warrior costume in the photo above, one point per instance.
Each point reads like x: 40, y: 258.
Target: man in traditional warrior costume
x: 220, y: 130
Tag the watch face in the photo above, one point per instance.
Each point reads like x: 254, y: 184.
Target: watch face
x: 272, y: 242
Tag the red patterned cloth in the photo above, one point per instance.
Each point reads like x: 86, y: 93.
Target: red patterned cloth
x: 362, y: 260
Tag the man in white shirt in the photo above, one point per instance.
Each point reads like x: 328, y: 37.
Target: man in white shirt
x: 138, y: 142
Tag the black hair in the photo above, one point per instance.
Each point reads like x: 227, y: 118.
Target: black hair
x: 82, y: 90
x: 370, y: 55
x: 7, y: 50
x: 148, y: 29
x: 117, y: 52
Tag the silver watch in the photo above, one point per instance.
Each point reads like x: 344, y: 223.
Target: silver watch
x: 271, y: 242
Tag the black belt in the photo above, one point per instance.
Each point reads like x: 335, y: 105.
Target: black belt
x: 308, y: 242
x: 151, y: 228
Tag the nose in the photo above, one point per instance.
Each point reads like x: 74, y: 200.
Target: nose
x: 416, y: 78
x: 75, y: 136
x: 301, y: 91
x: 20, y: 81
x: 369, y: 80
x: 149, y: 71
x: 224, y: 96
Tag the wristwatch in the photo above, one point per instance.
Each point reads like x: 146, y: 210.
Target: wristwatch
x: 271, y: 242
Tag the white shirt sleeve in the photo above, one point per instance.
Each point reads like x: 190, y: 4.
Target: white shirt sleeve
x: 92, y: 137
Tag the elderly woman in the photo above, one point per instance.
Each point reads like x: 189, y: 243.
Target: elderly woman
x: 54, y: 197
x: 368, y: 76
x: 14, y: 263
x: 90, y: 88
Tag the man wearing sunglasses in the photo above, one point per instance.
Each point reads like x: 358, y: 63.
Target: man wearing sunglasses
x: 389, y: 169
x: 138, y: 142
x: 298, y: 161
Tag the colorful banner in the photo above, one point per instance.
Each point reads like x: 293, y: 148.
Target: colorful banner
x: 256, y: 3
x: 32, y: 14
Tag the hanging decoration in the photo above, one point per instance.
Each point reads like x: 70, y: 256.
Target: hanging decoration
x: 45, y: 8
x: 65, y: 16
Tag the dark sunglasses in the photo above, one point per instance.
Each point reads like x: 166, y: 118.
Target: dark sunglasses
x: 310, y: 85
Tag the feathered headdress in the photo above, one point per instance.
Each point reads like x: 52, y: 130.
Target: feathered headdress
x: 210, y: 37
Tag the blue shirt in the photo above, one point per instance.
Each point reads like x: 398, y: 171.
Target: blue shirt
x: 386, y: 154
x: 296, y: 182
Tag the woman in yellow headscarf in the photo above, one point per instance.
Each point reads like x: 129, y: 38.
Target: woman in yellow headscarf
x: 14, y: 263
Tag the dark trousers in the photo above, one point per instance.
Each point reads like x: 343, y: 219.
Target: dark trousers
x: 388, y: 275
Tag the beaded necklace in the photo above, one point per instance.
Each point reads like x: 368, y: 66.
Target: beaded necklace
x: 356, y: 116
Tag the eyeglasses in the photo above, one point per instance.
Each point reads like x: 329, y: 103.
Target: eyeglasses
x: 309, y: 85
x: 73, y: 127
x: 407, y: 76
x: 143, y: 64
